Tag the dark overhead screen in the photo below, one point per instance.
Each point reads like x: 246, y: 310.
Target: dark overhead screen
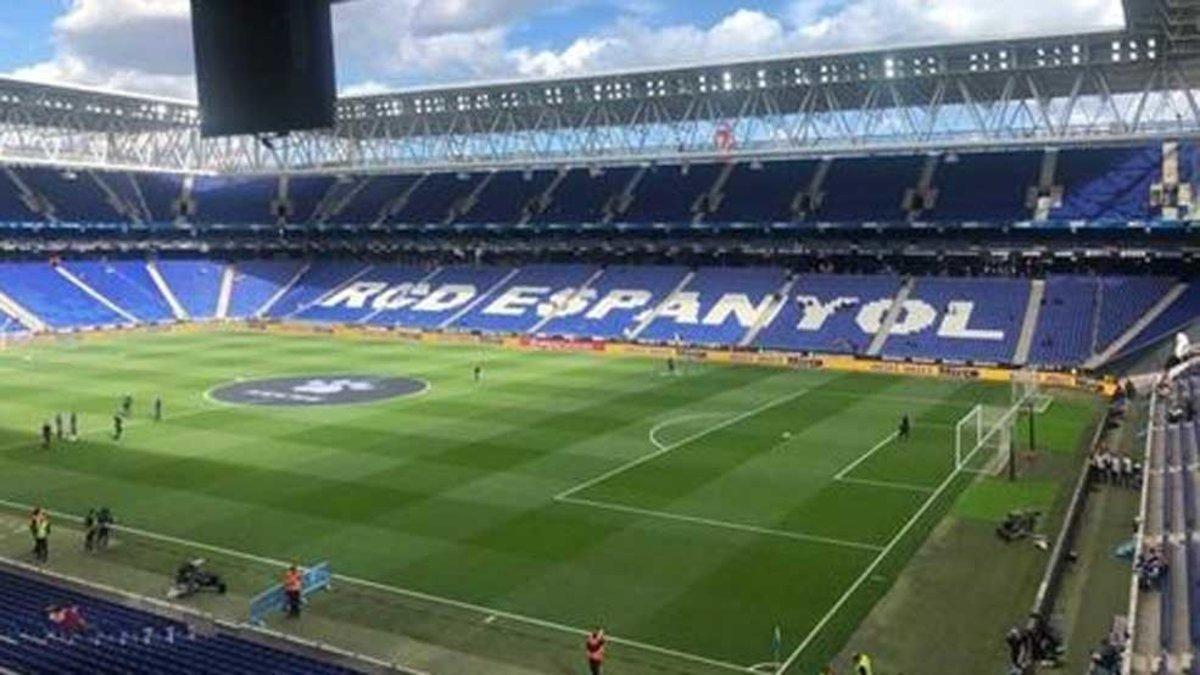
x: 263, y: 66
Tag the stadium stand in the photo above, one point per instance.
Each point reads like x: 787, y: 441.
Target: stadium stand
x: 584, y: 195
x: 377, y: 194
x: 255, y: 282
x: 620, y: 296
x: 961, y: 320
x: 867, y: 189
x: 13, y: 208
x: 318, y: 281
x: 718, y: 306
x: 432, y: 199
x: 196, y: 284
x: 118, y: 639
x: 821, y: 312
x: 763, y: 192
x: 365, y: 297
x: 669, y: 193
x: 235, y: 199
x: 127, y: 284
x: 526, y: 299
x: 452, y: 291
x: 1121, y: 301
x: 988, y: 187
x: 305, y: 194
x: 41, y: 290
x: 71, y: 196
x: 160, y: 192
x: 1066, y: 327
x: 1182, y: 312
x: 1107, y: 183
x: 507, y: 196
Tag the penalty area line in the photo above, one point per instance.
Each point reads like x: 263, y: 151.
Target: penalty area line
x: 724, y: 524
x: 486, y: 612
x: 682, y: 442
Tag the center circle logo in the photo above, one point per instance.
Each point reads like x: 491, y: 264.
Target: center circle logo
x: 317, y: 390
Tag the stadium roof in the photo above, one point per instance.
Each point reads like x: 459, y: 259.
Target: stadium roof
x: 1020, y: 89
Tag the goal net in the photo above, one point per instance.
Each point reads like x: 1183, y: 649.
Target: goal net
x: 984, y: 437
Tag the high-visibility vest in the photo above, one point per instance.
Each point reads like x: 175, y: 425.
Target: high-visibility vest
x: 595, y: 648
x: 862, y: 666
x: 292, y: 581
x: 41, y: 527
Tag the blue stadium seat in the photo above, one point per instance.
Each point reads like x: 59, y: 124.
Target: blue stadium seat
x: 1107, y: 183
x: 719, y: 306
x: 127, y: 284
x: 526, y: 299
x: 235, y: 199
x: 196, y: 284
x: 40, y: 289
x: 449, y: 293
x: 821, y: 314
x: 255, y: 282
x: 618, y: 298
x: 1066, y: 322
x: 971, y: 320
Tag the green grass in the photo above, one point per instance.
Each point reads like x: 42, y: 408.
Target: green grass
x: 526, y: 493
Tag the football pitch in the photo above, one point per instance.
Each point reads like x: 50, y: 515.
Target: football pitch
x: 691, y: 514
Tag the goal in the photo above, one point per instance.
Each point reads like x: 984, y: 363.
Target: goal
x: 984, y: 437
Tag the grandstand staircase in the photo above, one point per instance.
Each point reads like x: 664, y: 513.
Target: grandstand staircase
x: 619, y: 203
x: 332, y: 291
x: 400, y: 203
x: 283, y: 290
x: 161, y: 284
x: 768, y: 317
x: 1037, y: 293
x: 1136, y: 329
x: 654, y: 313
x: 809, y: 198
x: 709, y: 201
x: 140, y: 206
x: 464, y: 205
x: 583, y: 288
x: 889, y: 319
x: 35, y: 202
x: 115, y: 200
x: 483, y: 297
x: 27, y: 318
x: 227, y: 276
x: 83, y: 286
x: 333, y: 204
x: 541, y: 203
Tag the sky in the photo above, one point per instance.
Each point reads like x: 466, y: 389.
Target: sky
x: 144, y: 46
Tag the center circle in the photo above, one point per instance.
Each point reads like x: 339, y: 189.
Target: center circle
x: 317, y: 390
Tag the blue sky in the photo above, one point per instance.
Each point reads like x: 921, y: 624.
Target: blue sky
x: 144, y: 45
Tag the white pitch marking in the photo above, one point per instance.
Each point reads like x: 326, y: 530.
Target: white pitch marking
x: 680, y: 443
x: 867, y: 455
x: 677, y: 420
x: 742, y: 527
x: 911, y: 487
x: 405, y: 592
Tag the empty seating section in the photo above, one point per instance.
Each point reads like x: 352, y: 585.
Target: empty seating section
x: 121, y: 640
x: 255, y: 282
x: 430, y: 203
x: 376, y: 291
x: 368, y: 204
x: 867, y: 189
x: 237, y: 199
x: 668, y: 193
x: 527, y: 299
x: 1121, y: 301
x: 121, y: 184
x: 74, y: 196
x: 1066, y: 322
x: 10, y: 324
x: 304, y: 194
x: 320, y: 280
x: 1107, y: 183
x: 127, y: 284
x: 763, y: 193
x: 449, y: 293
x: 718, y: 306
x: 13, y: 209
x: 1183, y: 311
x: 990, y: 187
x: 822, y: 314
x: 40, y: 289
x: 1168, y: 611
x: 160, y: 191
x: 618, y: 300
x: 196, y: 284
x: 506, y: 196
x: 583, y: 195
x: 961, y: 319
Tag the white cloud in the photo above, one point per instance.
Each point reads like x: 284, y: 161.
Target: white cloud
x: 145, y: 45
x: 129, y: 45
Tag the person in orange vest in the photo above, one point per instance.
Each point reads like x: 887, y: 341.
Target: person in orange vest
x: 293, y: 583
x: 595, y: 650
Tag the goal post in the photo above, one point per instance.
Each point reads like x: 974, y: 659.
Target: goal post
x: 984, y: 437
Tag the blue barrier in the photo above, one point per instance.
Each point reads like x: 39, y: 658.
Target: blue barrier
x: 315, y: 578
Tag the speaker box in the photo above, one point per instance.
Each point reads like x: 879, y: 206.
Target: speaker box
x: 264, y: 66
